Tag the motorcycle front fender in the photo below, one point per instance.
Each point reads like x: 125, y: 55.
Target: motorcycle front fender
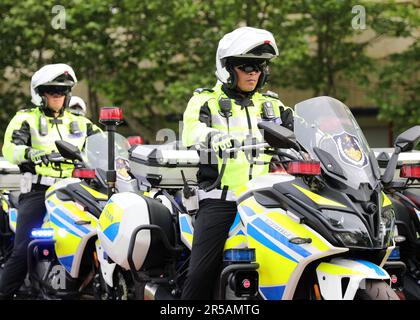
x: 340, y: 278
x: 107, y: 269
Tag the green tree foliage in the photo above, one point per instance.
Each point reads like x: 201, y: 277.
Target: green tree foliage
x: 397, y: 91
x: 330, y: 49
x: 24, y: 40
x: 169, y: 50
x: 149, y: 56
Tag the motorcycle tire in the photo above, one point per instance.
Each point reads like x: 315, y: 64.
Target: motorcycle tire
x: 118, y: 292
x: 376, y: 290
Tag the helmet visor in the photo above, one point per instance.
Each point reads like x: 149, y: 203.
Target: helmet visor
x: 251, y: 67
x: 54, y: 90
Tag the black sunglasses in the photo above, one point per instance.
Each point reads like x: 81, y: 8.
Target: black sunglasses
x: 250, y: 67
x: 55, y: 90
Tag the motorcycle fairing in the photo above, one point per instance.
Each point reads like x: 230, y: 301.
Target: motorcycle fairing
x: 97, y: 195
x: 330, y: 275
x: 322, y: 201
x: 107, y: 268
x: 77, y: 190
x: 236, y: 237
x: 13, y: 219
x: 186, y: 229
x: 110, y: 220
x: 70, y: 237
x: 120, y: 216
x: 11, y: 213
x: 281, y: 262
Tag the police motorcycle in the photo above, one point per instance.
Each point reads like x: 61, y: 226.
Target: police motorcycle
x: 10, y: 178
x: 320, y: 229
x: 66, y: 260
x: 9, y: 195
x: 404, y: 191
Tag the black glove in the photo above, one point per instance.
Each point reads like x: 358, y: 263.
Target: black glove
x: 37, y: 156
x: 286, y: 116
x: 220, y: 142
x: 251, y: 154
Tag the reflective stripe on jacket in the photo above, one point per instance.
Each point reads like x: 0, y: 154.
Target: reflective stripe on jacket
x: 23, y: 132
x: 203, y: 115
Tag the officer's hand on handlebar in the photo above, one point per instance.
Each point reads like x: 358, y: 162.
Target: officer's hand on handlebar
x: 287, y: 118
x: 220, y: 142
x: 37, y: 156
x: 55, y: 157
x: 251, y: 153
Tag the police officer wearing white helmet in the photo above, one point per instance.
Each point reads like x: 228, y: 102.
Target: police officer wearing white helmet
x: 77, y: 106
x: 29, y: 139
x: 222, y: 117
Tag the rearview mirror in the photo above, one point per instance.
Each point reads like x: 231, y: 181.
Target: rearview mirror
x: 408, y: 140
x: 278, y: 136
x: 68, y: 150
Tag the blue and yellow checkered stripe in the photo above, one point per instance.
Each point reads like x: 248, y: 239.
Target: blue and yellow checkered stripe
x: 277, y: 257
x: 68, y: 235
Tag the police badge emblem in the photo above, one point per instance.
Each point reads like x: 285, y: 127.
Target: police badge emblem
x: 122, y: 167
x: 349, y: 149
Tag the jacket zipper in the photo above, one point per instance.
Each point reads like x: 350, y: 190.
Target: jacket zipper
x: 248, y: 118
x: 61, y: 138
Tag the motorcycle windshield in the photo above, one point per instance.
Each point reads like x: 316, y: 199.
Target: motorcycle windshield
x: 327, y: 124
x: 95, y: 154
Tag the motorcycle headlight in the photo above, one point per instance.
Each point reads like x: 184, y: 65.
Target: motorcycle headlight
x: 348, y: 228
x: 387, y: 225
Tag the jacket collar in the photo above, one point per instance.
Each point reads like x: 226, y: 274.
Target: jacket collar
x: 241, y: 98
x: 49, y: 113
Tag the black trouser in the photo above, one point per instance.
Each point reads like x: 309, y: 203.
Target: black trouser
x: 213, y: 221
x: 31, y: 213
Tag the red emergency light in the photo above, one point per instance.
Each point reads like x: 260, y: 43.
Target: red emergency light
x: 84, y: 173
x: 110, y: 115
x: 310, y: 168
x: 132, y: 140
x: 410, y: 171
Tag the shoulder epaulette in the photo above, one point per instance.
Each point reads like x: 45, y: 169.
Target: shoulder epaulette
x: 25, y: 110
x: 271, y: 94
x: 201, y: 90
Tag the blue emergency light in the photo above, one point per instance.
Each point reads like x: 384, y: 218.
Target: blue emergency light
x: 42, y: 233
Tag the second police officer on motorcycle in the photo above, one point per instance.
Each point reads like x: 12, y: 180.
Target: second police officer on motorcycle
x: 29, y: 139
x: 77, y: 106
x: 220, y: 118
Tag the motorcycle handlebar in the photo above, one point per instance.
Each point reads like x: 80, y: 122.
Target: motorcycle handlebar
x: 55, y: 157
x: 225, y: 156
x: 262, y: 145
x: 257, y: 146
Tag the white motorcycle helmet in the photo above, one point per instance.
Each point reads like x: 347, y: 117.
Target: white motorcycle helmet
x: 77, y: 106
x: 58, y: 75
x: 244, y: 44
